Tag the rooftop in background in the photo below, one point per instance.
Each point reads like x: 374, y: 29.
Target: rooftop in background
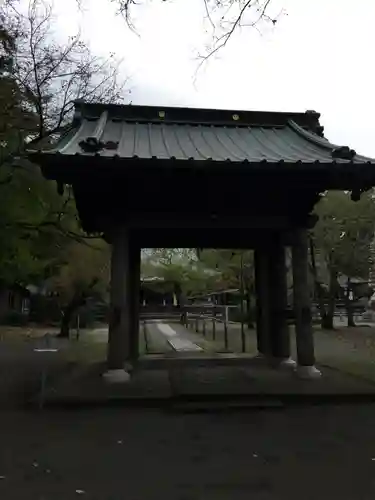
x: 203, y: 135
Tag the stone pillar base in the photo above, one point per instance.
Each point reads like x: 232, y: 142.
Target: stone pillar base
x: 128, y: 366
x: 261, y: 357
x: 308, y: 372
x: 284, y: 364
x: 118, y: 376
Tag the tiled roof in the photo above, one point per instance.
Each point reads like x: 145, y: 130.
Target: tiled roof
x: 145, y: 132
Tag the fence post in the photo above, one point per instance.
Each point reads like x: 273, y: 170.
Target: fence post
x: 214, y: 325
x: 78, y: 331
x: 225, y: 335
x: 243, y: 340
x: 197, y: 325
x: 204, y: 327
x: 145, y: 335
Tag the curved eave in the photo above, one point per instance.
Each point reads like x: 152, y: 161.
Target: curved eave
x: 329, y: 175
x: 324, y: 143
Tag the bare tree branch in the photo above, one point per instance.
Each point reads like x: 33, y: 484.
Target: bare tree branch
x: 224, y: 16
x: 208, y: 14
x: 223, y: 39
x: 53, y: 75
x: 60, y: 73
x: 35, y: 38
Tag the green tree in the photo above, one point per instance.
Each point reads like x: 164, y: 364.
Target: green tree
x: 179, y: 268
x: 83, y: 273
x: 234, y: 269
x: 342, y: 240
x: 39, y: 80
x: 29, y: 235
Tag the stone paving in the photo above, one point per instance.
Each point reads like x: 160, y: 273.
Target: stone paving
x: 177, y: 338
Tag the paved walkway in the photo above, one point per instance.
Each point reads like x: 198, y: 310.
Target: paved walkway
x: 177, y: 337
x: 160, y: 337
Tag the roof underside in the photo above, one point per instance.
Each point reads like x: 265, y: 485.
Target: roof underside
x: 150, y: 133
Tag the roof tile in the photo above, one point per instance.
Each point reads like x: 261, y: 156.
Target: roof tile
x: 220, y: 141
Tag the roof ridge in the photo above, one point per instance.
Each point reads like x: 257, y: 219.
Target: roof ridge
x: 192, y: 115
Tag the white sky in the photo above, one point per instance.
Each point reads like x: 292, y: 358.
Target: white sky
x: 319, y: 56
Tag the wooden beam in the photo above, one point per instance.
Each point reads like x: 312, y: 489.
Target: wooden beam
x: 201, y: 220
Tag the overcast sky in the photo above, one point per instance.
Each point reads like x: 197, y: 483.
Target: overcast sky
x: 319, y: 56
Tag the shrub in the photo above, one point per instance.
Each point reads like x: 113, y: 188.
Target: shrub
x: 44, y: 310
x: 15, y: 318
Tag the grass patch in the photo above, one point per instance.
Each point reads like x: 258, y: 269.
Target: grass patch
x: 24, y: 333
x: 85, y: 352
x: 351, y: 350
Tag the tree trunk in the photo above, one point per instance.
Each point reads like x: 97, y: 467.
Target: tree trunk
x: 327, y: 322
x: 179, y: 294
x: 68, y: 312
x: 348, y: 305
x: 322, y: 307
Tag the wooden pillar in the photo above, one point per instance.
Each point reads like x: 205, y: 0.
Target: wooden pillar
x: 121, y: 322
x: 261, y: 267
x: 135, y: 297
x: 279, y: 329
x: 302, y: 307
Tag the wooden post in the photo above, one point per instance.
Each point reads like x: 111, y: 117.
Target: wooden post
x: 243, y: 340
x: 262, y: 290
x: 145, y: 336
x: 225, y: 334
x: 120, y: 323
x: 214, y: 324
x: 279, y: 329
x: 77, y: 327
x: 302, y: 307
x: 134, y: 285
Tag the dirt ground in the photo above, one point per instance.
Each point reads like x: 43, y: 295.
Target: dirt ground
x: 351, y: 350
x: 309, y: 452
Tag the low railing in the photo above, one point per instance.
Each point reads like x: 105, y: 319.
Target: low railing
x: 188, y: 315
x: 193, y: 320
x: 169, y: 311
